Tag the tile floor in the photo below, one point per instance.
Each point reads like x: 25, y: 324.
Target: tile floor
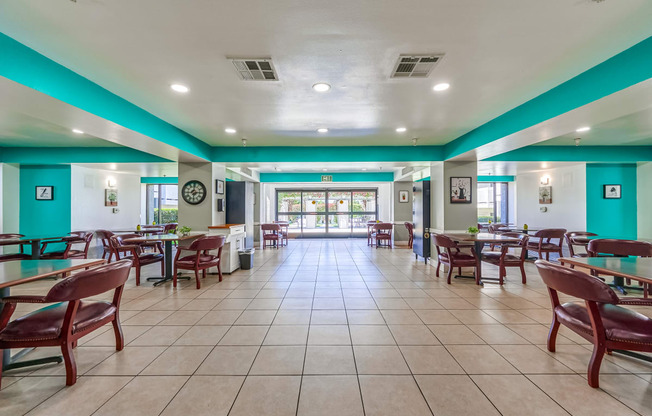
x: 331, y: 327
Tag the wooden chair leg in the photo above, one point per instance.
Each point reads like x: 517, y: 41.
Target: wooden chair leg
x: 197, y: 279
x: 523, y: 276
x: 219, y: 270
x: 203, y: 274
x: 71, y: 365
x: 137, y: 275
x: 552, y: 334
x: 438, y: 266
x: 459, y: 271
x: 594, y: 366
x: 119, y: 337
x: 547, y: 256
x: 174, y: 276
x: 450, y: 273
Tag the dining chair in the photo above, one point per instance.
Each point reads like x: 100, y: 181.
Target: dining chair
x: 78, y: 237
x: 505, y: 259
x: 13, y: 256
x: 134, y: 252
x: 410, y: 229
x: 202, y: 259
x: 495, y: 228
x: 600, y: 321
x: 104, y: 236
x: 285, y: 226
x: 573, y: 241
x: 623, y: 248
x: 63, y: 324
x: 383, y: 232
x: 370, y: 232
x: 545, y: 242
x: 450, y: 253
x: 271, y: 234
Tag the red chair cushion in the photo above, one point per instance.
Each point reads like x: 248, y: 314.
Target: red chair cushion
x: 15, y: 256
x: 149, y: 258
x: 494, y: 258
x: 544, y: 246
x: 45, y: 323
x: 620, y: 324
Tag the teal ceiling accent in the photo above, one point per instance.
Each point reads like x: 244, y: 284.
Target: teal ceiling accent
x: 611, y: 218
x: 63, y: 155
x: 629, y: 67
x: 26, y: 66
x: 328, y: 154
x: 576, y: 154
x: 496, y: 178
x: 159, y: 179
x: 337, y: 177
x: 427, y: 178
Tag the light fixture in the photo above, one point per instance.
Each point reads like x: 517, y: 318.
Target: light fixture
x: 544, y: 165
x: 577, y: 141
x: 401, y: 130
x: 324, y: 170
x: 583, y: 129
x: 244, y: 142
x: 321, y: 87
x: 545, y: 180
x: 364, y: 168
x: 230, y: 130
x: 414, y: 141
x: 110, y: 182
x: 113, y: 166
x: 77, y: 131
x: 322, y: 130
x: 179, y: 88
x: 276, y: 168
x: 441, y: 86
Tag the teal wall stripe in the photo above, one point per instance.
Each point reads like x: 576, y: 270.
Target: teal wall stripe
x: 337, y: 177
x: 159, y: 179
x: 427, y: 178
x: 28, y: 67
x: 60, y: 155
x: 496, y: 178
x: 611, y: 218
x: 628, y: 68
x: 328, y: 154
x: 577, y: 154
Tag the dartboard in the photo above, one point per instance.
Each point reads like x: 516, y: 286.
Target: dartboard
x: 193, y: 192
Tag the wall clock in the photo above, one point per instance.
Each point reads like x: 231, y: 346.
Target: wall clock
x: 193, y: 192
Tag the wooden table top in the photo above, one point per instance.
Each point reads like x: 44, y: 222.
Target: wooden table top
x: 14, y: 273
x: 163, y: 237
x: 482, y: 237
x: 29, y: 238
x: 635, y: 268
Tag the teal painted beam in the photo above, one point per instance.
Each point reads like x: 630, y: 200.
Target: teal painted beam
x: 159, y: 179
x: 337, y: 177
x: 427, y: 178
x: 28, y: 67
x: 328, y: 154
x: 65, y: 155
x: 621, y: 71
x: 576, y: 154
x: 497, y: 178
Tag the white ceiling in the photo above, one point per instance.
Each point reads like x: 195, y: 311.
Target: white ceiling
x: 514, y: 168
x: 141, y: 169
x: 498, y: 54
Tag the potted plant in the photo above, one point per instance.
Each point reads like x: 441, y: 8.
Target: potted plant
x: 472, y: 230
x: 184, y: 231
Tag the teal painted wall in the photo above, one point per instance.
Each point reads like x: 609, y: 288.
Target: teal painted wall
x: 337, y: 177
x: 161, y: 179
x: 45, y: 217
x: 497, y: 178
x: 611, y: 218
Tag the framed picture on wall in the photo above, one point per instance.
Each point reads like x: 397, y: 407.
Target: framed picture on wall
x: 612, y: 191
x: 219, y: 186
x: 110, y: 197
x: 461, y: 191
x: 403, y: 196
x: 545, y: 194
x: 44, y: 193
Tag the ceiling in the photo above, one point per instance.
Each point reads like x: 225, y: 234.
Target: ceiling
x: 141, y: 169
x: 514, y: 168
x: 498, y: 55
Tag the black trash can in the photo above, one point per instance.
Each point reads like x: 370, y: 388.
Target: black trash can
x: 246, y: 259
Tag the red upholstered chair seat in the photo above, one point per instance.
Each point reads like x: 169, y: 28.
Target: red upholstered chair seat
x: 203, y: 258
x: 47, y: 323
x: 15, y: 256
x: 544, y: 246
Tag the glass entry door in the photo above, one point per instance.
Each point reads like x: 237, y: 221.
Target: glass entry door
x: 327, y: 212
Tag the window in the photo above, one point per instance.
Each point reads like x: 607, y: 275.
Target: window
x: 492, y: 202
x: 162, y: 203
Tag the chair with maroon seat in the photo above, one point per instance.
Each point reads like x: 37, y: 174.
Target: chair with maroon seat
x: 410, y: 228
x: 383, y: 232
x: 545, y: 243
x: 272, y: 234
x: 449, y: 253
x: 601, y: 321
x: 573, y: 239
x: 504, y: 259
x: 64, y: 324
x: 104, y: 236
x: 135, y: 253
x: 12, y: 256
x: 78, y: 237
x: 202, y: 259
x: 623, y: 248
x: 285, y: 227
x: 495, y: 228
x: 371, y: 232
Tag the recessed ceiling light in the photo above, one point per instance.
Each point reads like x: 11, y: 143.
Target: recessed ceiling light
x: 321, y: 87
x: 583, y: 129
x: 401, y: 130
x: 179, y: 88
x: 442, y: 86
x: 230, y: 130
x: 325, y: 170
x: 113, y: 166
x: 77, y: 131
x: 364, y: 168
x: 322, y: 130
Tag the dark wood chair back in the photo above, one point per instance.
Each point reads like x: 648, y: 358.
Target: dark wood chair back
x: 574, y: 283
x: 621, y: 248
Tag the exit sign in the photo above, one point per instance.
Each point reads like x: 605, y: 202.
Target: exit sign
x: 327, y: 178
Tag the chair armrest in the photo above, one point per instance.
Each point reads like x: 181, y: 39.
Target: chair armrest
x: 24, y: 299
x: 635, y: 301
x: 134, y: 249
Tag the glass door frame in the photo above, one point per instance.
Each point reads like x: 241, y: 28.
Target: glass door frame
x: 301, y: 214
x: 504, y: 200
x: 159, y: 192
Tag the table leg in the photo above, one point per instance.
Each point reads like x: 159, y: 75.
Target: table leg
x: 168, y: 266
x: 635, y: 355
x: 36, y: 249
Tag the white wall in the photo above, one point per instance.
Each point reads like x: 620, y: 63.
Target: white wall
x: 568, y: 207
x: 88, y: 210
x: 644, y: 199
x: 10, y: 201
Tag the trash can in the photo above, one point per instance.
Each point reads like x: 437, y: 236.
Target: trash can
x: 246, y: 259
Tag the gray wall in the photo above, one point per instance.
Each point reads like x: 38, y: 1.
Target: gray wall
x: 446, y: 216
x: 402, y: 211
x: 199, y: 217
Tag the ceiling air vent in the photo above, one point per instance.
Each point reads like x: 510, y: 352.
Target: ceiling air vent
x: 415, y: 66
x: 255, y: 69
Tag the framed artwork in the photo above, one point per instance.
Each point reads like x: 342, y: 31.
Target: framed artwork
x: 219, y: 186
x: 44, y: 193
x: 461, y: 191
x: 110, y: 197
x: 545, y: 194
x: 403, y: 196
x: 612, y: 191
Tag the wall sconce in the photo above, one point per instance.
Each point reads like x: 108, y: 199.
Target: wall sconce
x: 545, y: 180
x: 111, y: 182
